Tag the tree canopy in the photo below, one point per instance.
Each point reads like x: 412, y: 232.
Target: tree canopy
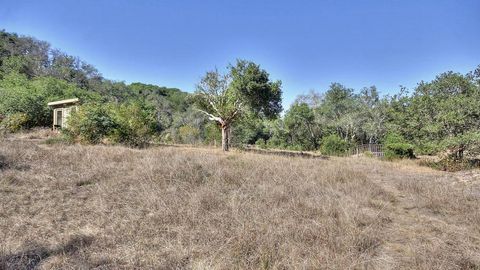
x: 245, y: 89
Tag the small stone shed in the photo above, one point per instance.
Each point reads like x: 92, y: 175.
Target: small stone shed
x: 61, y: 111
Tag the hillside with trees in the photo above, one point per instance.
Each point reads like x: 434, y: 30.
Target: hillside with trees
x: 438, y: 117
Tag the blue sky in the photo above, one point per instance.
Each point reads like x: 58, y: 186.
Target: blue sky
x: 306, y: 44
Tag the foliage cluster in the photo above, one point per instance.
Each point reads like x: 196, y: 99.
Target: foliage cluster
x: 439, y: 117
x: 128, y: 123
x: 334, y: 145
x: 397, y: 147
x: 13, y: 122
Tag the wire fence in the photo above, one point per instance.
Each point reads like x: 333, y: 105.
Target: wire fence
x: 375, y: 150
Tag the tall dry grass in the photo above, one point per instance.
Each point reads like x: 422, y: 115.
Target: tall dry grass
x: 83, y: 207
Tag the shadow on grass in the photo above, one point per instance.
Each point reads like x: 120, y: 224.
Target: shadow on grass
x: 284, y: 153
x: 6, y: 163
x: 34, y: 254
x: 451, y: 165
x: 3, y: 162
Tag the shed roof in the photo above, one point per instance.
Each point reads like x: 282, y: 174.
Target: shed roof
x: 65, y: 101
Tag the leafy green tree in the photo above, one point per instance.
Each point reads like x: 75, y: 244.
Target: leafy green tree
x: 445, y: 109
x: 399, y: 114
x: 25, y: 55
x: 371, y: 116
x: 248, y: 130
x: 16, y: 64
x: 339, y: 110
x: 303, y: 131
x: 245, y: 89
x: 279, y: 135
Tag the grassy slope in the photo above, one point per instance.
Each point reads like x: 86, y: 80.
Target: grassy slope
x: 113, y: 207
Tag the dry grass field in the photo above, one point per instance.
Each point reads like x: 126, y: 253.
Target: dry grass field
x: 100, y: 207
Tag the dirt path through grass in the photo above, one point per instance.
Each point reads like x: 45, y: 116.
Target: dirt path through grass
x: 419, y: 227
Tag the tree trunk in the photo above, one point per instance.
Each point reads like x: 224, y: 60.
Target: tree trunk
x: 225, y: 139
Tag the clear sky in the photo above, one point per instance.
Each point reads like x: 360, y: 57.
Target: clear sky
x: 306, y: 44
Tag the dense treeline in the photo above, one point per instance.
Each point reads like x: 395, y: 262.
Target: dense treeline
x: 443, y: 114
x: 440, y: 116
x: 33, y: 74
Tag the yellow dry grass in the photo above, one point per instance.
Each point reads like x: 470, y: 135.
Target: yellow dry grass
x: 84, y: 207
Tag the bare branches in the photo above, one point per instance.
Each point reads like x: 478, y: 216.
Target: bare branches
x: 212, y: 117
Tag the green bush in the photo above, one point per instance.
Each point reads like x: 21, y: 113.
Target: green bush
x: 275, y: 142
x: 368, y: 154
x: 134, y: 124
x: 91, y: 123
x: 397, y: 147
x: 130, y: 124
x: 334, y: 145
x: 260, y: 143
x: 189, y: 134
x: 399, y: 150
x: 166, y: 137
x: 428, y: 148
x: 212, y: 133
x: 295, y: 147
x: 14, y: 122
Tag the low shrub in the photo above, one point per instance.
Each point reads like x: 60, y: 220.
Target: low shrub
x: 91, y: 123
x: 333, y: 145
x: 274, y: 142
x: 14, y: 122
x: 294, y: 147
x: 428, y: 148
x: 134, y: 124
x: 189, y: 134
x: 166, y: 137
x: 368, y: 154
x: 399, y: 150
x: 212, y: 134
x: 129, y: 124
x: 260, y: 143
x: 397, y: 147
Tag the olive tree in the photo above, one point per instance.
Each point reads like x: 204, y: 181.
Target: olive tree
x: 244, y: 89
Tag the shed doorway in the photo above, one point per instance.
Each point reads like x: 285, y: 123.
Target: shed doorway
x: 59, y: 122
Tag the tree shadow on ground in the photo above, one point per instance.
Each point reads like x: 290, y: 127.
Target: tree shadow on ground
x: 5, y: 164
x: 33, y: 255
x: 285, y: 153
